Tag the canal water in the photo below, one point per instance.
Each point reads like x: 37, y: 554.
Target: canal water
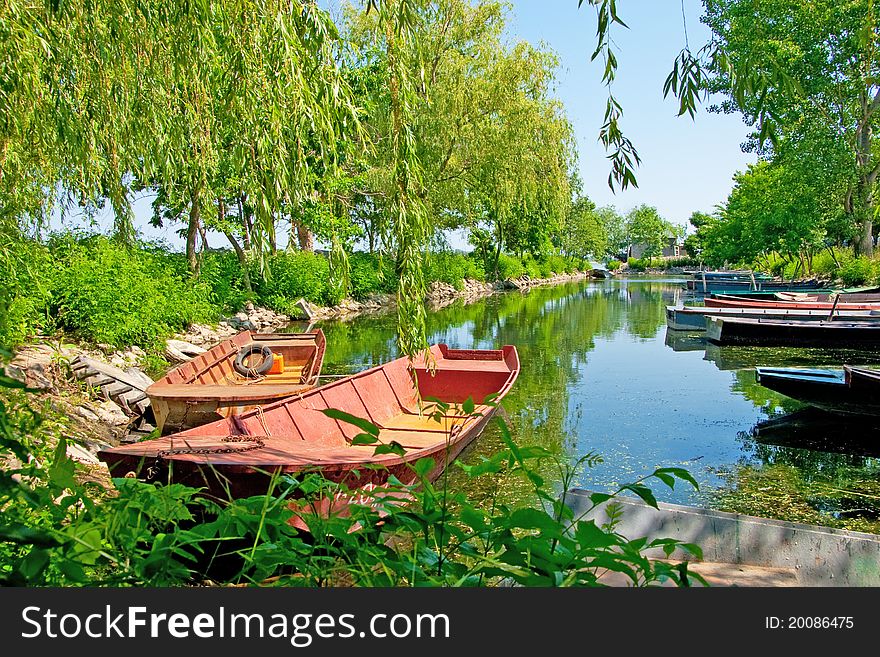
x: 601, y: 375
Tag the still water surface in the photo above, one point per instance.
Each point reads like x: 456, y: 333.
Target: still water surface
x: 601, y: 374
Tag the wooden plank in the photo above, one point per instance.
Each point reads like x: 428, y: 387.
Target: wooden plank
x: 224, y: 392
x: 116, y: 389
x: 98, y: 380
x: 115, y: 373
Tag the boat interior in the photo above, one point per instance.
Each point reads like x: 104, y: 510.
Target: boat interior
x: 215, y: 376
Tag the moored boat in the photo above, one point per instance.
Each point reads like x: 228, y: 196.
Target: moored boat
x: 724, y: 286
x: 238, y: 455
x: 728, y: 301
x: 786, y: 332
x: 850, y: 391
x: 693, y: 318
x: 227, y: 380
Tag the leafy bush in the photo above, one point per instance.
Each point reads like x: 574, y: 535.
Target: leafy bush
x: 858, y: 271
x: 109, y: 293
x: 25, y: 270
x: 221, y: 272
x: 681, y: 261
x: 533, y: 268
x: 509, y: 267
x: 291, y: 276
x: 450, y: 268
x: 369, y: 274
x: 614, y: 265
x: 637, y: 264
x: 824, y: 264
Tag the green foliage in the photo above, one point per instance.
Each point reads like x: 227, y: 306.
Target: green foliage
x: 614, y: 265
x: 638, y: 264
x: 59, y: 532
x: 859, y: 271
x: 646, y: 228
x: 24, y: 288
x: 369, y: 274
x: 293, y: 275
x: 509, y: 267
x: 222, y: 273
x: 533, y: 268
x: 453, y: 268
x: 682, y: 261
x: 106, y: 292
x: 803, y: 73
x: 585, y: 232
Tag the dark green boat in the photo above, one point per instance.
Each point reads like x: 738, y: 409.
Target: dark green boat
x: 850, y: 391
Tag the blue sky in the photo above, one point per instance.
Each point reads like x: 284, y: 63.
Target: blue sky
x: 686, y: 165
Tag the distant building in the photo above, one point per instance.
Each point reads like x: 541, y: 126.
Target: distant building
x: 672, y: 248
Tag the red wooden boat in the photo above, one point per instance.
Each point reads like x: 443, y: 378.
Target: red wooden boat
x: 221, y: 381
x: 236, y: 456
x: 723, y: 301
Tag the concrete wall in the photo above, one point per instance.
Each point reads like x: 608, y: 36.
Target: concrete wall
x: 820, y: 556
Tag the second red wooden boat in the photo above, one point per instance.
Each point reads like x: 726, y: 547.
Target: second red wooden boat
x: 236, y: 456
x: 218, y: 382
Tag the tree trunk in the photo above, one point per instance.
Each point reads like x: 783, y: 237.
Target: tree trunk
x: 192, y: 231
x: 497, y: 256
x: 242, y: 258
x: 304, y: 237
x: 204, y: 235
x: 246, y: 225
x: 866, y: 239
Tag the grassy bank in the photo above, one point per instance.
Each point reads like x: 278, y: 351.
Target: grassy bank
x: 100, y: 291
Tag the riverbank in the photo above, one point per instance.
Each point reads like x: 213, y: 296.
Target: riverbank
x: 98, y: 417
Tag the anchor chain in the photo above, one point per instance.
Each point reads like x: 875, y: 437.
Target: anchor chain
x: 259, y: 442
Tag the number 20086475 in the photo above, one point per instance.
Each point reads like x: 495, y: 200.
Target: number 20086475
x: 809, y: 622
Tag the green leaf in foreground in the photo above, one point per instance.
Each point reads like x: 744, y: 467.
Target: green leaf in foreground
x: 359, y: 422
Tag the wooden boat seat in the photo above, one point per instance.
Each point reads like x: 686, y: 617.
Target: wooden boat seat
x: 412, y: 422
x: 225, y: 393
x: 455, y: 412
x: 468, y: 366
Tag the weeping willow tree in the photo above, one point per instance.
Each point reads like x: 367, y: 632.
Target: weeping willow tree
x: 464, y: 131
x: 241, y: 130
x: 183, y: 96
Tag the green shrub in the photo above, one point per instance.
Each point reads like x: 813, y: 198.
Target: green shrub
x: 473, y: 268
x: 858, y: 271
x: 557, y: 264
x: 447, y: 267
x: 614, y: 265
x: 509, y: 267
x: 109, y: 293
x: 681, y: 261
x: 291, y: 276
x: 370, y: 274
x: 221, y: 272
x: 637, y: 264
x: 824, y: 264
x: 25, y: 271
x: 533, y: 268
